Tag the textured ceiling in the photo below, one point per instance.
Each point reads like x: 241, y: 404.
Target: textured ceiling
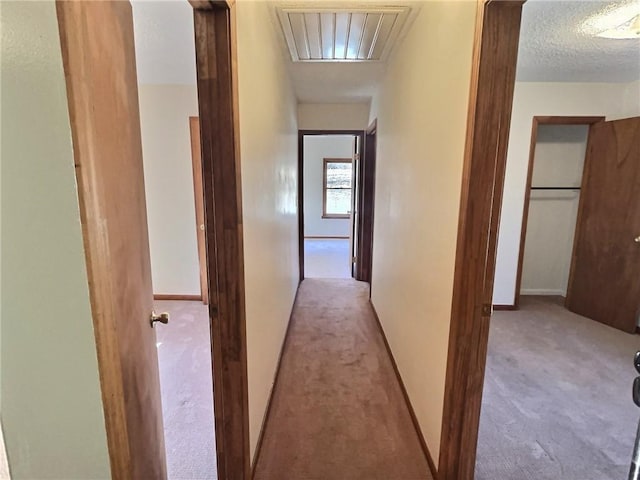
x: 553, y: 47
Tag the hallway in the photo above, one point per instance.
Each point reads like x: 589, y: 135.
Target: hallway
x: 337, y: 408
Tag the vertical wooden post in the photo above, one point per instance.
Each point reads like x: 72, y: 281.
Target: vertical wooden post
x: 218, y: 107
x: 493, y: 82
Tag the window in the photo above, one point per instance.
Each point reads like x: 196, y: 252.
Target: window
x: 336, y: 187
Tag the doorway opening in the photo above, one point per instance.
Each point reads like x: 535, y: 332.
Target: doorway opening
x: 329, y: 168
x: 171, y: 151
x: 336, y: 188
x: 554, y: 179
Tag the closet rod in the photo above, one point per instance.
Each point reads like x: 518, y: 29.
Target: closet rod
x: 555, y: 188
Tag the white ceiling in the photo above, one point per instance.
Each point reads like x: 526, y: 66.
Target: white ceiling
x: 164, y: 37
x: 553, y: 47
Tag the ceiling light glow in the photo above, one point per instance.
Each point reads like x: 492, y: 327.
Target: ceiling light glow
x: 617, y: 23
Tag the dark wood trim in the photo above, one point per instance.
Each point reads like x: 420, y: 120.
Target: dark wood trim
x: 211, y: 4
x: 489, y: 117
x: 216, y: 61
x: 325, y: 161
x: 525, y: 211
x: 364, y: 260
x: 504, y: 308
x: 412, y: 413
x: 320, y: 237
x: 300, y: 203
x: 196, y: 161
x: 355, y: 133
x: 539, y: 120
x: 170, y: 296
x: 265, y: 419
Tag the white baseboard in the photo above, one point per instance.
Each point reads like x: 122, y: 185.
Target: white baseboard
x: 543, y: 291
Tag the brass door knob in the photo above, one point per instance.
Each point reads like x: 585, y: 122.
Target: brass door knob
x: 162, y: 318
x: 637, y: 239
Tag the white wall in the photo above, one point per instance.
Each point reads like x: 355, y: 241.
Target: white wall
x: 51, y: 402
x: 558, y: 162
x: 333, y: 116
x: 531, y: 99
x: 269, y: 157
x: 168, y: 175
x: 316, y: 149
x: 421, y: 109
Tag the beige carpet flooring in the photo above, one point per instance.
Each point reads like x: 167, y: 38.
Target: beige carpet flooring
x: 184, y: 359
x: 557, y: 397
x: 326, y: 258
x: 338, y: 412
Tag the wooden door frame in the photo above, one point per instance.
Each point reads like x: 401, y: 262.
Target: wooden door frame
x: 541, y: 120
x: 198, y: 193
x: 367, y: 204
x: 301, y: 135
x: 217, y: 80
x: 489, y: 118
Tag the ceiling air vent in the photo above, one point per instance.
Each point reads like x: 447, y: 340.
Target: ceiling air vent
x: 339, y: 35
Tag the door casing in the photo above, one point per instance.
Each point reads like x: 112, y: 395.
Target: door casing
x: 489, y: 117
x: 301, y: 135
x: 198, y: 193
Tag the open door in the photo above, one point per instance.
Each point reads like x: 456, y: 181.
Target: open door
x: 604, y: 283
x: 367, y: 202
x: 355, y: 208
x: 100, y: 69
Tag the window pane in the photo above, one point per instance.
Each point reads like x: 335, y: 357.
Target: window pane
x: 338, y: 202
x: 339, y: 175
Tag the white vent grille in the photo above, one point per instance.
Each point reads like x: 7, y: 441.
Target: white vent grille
x: 323, y: 35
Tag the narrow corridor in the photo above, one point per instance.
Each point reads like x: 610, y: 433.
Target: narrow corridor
x: 337, y: 410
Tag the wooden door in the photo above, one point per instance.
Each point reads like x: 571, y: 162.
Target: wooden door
x: 355, y: 208
x: 196, y: 156
x: 604, y: 284
x: 99, y: 62
x: 368, y: 165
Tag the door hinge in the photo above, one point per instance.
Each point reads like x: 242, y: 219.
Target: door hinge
x: 353, y: 259
x: 486, y: 309
x: 356, y: 157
